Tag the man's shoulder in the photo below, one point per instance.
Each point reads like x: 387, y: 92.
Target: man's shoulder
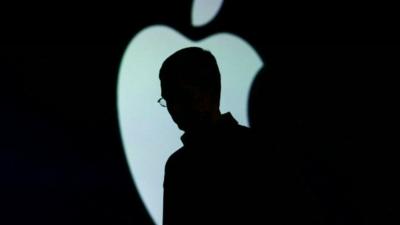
x: 244, y: 130
x: 240, y: 132
x: 175, y: 158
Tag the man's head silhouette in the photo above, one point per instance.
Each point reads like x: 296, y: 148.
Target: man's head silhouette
x: 191, y: 85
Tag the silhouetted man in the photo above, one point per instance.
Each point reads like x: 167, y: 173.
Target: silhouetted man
x: 208, y: 180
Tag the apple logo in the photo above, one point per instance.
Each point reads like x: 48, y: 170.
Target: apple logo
x: 149, y: 135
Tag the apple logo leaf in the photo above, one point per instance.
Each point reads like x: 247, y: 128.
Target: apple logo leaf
x: 203, y: 11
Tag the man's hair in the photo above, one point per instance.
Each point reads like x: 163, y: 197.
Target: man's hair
x: 193, y: 66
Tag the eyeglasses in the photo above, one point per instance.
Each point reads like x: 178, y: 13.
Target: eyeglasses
x: 162, y: 102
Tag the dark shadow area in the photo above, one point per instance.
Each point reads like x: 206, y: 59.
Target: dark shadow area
x: 329, y: 112
x: 61, y: 161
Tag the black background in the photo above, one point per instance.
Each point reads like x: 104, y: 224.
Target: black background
x: 61, y: 159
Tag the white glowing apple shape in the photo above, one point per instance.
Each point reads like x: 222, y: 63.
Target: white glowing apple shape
x: 148, y: 133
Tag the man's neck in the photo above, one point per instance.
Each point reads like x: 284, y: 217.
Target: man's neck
x: 207, y: 123
x: 208, y: 128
